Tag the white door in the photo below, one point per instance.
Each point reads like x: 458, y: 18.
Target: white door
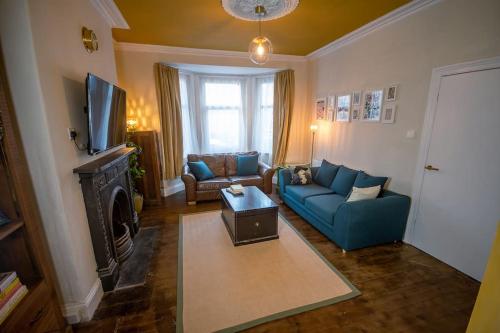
x: 460, y: 202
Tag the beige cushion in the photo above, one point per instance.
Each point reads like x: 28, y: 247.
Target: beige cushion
x: 358, y: 194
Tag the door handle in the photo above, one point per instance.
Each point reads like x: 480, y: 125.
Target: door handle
x: 431, y: 168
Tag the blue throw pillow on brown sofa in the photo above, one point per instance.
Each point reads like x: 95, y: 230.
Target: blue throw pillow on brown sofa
x: 247, y: 165
x: 200, y: 170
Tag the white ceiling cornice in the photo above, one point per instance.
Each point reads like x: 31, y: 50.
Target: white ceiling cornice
x: 394, y: 16
x: 110, y: 12
x: 133, y: 47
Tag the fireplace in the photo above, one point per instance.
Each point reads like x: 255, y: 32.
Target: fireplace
x: 122, y: 238
x: 113, y: 223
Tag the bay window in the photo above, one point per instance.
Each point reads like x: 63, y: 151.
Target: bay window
x: 223, y: 113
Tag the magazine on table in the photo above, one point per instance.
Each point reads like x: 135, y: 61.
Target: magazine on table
x: 236, y: 189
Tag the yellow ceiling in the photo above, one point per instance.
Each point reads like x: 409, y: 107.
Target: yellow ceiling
x: 204, y: 24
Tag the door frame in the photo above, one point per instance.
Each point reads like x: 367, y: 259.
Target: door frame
x: 430, y: 114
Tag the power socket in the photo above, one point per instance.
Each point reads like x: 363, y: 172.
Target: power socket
x: 72, y: 133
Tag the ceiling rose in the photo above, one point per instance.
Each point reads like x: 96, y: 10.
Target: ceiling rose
x: 245, y: 9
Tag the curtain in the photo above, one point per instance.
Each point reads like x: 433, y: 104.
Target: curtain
x: 223, y: 114
x: 169, y: 106
x: 284, y: 91
x: 262, y: 122
x: 189, y: 125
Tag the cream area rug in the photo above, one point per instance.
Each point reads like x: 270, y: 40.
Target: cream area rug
x: 226, y: 288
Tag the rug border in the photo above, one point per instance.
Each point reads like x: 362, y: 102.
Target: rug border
x: 179, y: 320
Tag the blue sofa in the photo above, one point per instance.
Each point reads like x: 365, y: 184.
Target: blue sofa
x: 351, y: 225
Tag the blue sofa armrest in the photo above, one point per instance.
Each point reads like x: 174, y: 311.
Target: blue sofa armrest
x: 284, y: 179
x: 369, y: 222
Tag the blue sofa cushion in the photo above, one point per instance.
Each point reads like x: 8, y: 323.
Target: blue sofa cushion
x: 326, y: 173
x: 247, y: 165
x: 301, y: 192
x: 325, y: 206
x: 342, y: 184
x: 364, y: 180
x: 200, y: 170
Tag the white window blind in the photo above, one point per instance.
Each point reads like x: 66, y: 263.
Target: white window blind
x: 223, y: 114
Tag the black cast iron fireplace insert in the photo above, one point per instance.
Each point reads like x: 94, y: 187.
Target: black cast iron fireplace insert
x: 113, y: 223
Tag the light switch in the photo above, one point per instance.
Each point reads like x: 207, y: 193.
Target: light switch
x: 410, y: 134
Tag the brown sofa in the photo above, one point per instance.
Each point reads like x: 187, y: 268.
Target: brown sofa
x: 224, y: 167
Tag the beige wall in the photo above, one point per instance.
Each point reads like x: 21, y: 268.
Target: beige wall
x: 136, y: 76
x: 47, y: 66
x: 404, y: 52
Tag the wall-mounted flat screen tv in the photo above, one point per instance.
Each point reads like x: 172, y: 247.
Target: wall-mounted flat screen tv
x: 107, y: 118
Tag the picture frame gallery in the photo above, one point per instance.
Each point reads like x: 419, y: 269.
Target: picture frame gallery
x: 372, y: 105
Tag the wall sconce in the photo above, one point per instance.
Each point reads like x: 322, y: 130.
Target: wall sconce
x: 132, y: 124
x: 89, y: 40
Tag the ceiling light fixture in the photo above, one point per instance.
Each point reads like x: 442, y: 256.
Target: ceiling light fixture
x: 260, y: 48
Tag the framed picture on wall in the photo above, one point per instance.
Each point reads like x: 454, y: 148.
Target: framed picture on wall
x: 343, y: 111
x: 372, y: 105
x: 389, y: 114
x: 356, y: 98
x: 321, y: 109
x: 330, y: 107
x: 392, y: 93
x: 356, y: 113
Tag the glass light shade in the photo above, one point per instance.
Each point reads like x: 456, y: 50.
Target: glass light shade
x: 314, y: 127
x: 260, y: 50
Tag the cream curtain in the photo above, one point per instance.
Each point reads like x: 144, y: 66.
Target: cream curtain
x: 284, y: 91
x: 169, y: 106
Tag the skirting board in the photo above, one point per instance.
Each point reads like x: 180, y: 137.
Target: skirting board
x: 171, y: 189
x: 80, y: 312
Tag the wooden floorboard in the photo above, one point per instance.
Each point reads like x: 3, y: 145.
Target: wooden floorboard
x: 403, y: 289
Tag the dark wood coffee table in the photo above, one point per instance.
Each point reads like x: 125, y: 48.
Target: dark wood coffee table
x: 251, y: 217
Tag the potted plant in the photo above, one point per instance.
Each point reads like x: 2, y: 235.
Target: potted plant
x: 136, y: 173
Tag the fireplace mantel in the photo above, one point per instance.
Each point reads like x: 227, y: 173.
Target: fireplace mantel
x: 106, y: 181
x: 104, y: 162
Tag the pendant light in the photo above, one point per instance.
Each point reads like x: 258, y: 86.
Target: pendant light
x: 260, y: 48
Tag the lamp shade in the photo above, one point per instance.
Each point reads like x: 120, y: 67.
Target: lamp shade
x: 260, y: 50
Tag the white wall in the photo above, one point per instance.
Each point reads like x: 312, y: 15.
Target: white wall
x: 136, y: 76
x: 46, y: 66
x: 404, y: 52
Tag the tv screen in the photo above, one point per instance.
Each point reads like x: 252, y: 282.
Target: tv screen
x: 107, y: 119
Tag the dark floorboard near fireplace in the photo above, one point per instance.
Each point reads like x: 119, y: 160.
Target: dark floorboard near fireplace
x: 403, y: 289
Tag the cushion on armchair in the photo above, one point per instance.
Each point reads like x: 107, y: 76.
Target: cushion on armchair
x: 200, y: 170
x: 247, y: 165
x: 342, y: 184
x: 326, y: 173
